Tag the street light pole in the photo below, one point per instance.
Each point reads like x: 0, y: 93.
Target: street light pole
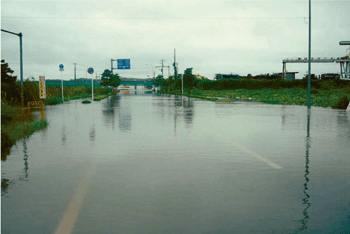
x: 152, y: 70
x: 309, y: 62
x: 21, y: 67
x: 21, y: 61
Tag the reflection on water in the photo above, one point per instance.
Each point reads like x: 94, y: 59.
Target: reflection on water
x: 4, y: 186
x: 124, y: 118
x: 92, y: 133
x: 166, y: 166
x: 177, y: 111
x: 189, y: 111
x: 343, y: 122
x: 25, y: 158
x: 63, y: 134
x: 306, y: 198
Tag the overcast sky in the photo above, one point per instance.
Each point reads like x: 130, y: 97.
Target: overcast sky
x: 212, y: 36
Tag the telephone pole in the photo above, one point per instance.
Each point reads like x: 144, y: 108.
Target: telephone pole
x: 75, y: 72
x: 174, y: 64
x: 309, y: 62
x: 163, y: 67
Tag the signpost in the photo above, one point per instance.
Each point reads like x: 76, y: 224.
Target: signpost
x: 42, y: 88
x: 90, y: 70
x: 123, y: 63
x: 61, y: 70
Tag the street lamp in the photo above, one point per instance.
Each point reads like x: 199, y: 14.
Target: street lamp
x: 152, y: 70
x: 20, y: 60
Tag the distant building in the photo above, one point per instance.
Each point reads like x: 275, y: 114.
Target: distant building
x: 226, y: 76
x: 329, y: 76
x: 288, y: 75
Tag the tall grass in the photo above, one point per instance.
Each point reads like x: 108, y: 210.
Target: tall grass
x: 15, y: 125
x: 290, y: 96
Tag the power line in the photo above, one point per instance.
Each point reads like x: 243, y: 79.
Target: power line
x: 122, y: 18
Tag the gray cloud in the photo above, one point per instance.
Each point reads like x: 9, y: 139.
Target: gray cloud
x: 210, y: 36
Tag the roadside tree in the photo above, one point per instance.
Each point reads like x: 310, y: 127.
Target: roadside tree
x: 110, y: 79
x: 158, y: 81
x: 189, y: 79
x: 10, y: 91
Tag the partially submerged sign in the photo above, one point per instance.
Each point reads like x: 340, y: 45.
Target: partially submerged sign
x: 42, y: 88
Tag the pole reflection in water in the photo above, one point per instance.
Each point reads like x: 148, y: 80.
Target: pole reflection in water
x: 63, y: 131
x: 25, y: 158
x: 189, y: 112
x: 177, y: 105
x: 109, y: 111
x: 63, y: 134
x: 307, y: 161
x: 92, y: 133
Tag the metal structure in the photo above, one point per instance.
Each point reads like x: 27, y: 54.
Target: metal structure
x: 136, y: 82
x: 21, y: 61
x: 152, y: 69
x: 112, y: 65
x: 309, y: 61
x: 345, y: 65
x: 163, y: 68
x: 343, y: 61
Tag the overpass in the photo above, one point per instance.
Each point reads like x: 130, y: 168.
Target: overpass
x: 344, y: 63
x: 136, y: 82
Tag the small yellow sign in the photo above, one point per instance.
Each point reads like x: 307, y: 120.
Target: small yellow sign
x: 42, y: 88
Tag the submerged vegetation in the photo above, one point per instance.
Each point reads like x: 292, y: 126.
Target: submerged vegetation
x: 18, y: 122
x: 86, y: 102
x: 332, y: 93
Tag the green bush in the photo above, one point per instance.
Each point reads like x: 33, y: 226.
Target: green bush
x: 342, y: 103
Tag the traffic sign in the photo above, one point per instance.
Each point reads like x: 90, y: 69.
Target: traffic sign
x: 61, y: 67
x: 42, y: 89
x: 90, y: 70
x: 123, y: 63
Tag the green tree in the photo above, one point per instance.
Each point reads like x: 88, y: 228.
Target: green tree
x: 114, y: 81
x: 110, y: 79
x: 10, y: 91
x: 189, y: 79
x: 158, y: 81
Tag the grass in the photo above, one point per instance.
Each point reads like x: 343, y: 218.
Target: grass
x: 294, y: 96
x: 342, y: 103
x: 15, y: 126
x: 103, y: 96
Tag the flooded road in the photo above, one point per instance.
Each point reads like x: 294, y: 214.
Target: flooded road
x: 145, y: 163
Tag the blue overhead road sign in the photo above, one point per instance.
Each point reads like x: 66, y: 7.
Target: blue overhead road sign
x: 123, y: 63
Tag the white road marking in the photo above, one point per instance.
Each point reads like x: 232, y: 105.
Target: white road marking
x: 253, y: 154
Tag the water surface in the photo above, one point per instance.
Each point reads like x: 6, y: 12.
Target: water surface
x: 145, y: 163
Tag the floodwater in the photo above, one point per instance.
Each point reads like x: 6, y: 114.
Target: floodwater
x: 145, y: 163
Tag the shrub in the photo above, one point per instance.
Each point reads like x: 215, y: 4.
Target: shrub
x: 342, y: 103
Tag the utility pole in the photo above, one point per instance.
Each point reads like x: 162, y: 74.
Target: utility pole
x: 309, y: 65
x: 21, y: 61
x: 112, y: 66
x: 75, y: 72
x: 174, y: 64
x: 163, y: 67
